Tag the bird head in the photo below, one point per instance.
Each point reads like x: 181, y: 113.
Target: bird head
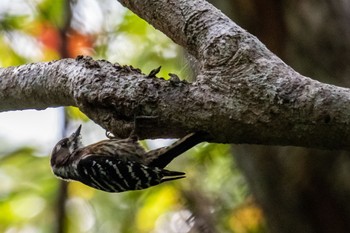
x: 65, y: 148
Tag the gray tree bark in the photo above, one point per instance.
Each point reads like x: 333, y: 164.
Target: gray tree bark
x: 243, y: 93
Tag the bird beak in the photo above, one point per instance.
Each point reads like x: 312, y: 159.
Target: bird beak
x: 75, y: 140
x: 76, y: 134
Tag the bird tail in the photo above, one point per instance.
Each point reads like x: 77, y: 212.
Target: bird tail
x: 172, y: 175
x: 163, y: 156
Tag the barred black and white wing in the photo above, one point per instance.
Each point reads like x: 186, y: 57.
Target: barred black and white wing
x: 111, y: 174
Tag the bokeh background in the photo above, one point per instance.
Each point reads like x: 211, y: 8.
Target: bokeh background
x: 299, y: 189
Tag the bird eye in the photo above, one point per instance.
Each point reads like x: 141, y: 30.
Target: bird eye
x: 64, y: 143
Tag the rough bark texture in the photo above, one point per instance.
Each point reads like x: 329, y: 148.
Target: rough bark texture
x: 243, y: 94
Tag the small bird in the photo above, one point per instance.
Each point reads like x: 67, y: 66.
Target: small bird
x: 117, y: 165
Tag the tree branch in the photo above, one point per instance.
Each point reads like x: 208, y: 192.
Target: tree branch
x: 243, y: 94
x: 304, y: 113
x: 37, y: 85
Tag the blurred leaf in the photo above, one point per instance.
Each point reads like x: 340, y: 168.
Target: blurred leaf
x: 156, y: 204
x: 74, y: 113
x: 247, y: 219
x: 8, y: 56
x: 77, y: 189
x: 53, y: 11
x: 27, y: 187
x: 12, y: 22
x: 133, y: 25
x: 22, y: 151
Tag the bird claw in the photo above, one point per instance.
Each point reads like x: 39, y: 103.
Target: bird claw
x: 110, y: 135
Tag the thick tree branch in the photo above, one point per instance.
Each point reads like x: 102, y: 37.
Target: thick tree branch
x: 243, y: 93
x: 303, y: 113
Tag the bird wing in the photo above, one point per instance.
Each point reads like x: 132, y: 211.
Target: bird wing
x: 111, y: 174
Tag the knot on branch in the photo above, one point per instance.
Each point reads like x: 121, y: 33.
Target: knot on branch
x: 220, y: 51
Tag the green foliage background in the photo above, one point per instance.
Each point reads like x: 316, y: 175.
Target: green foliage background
x: 28, y: 190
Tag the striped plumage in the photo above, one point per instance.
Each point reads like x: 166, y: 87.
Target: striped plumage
x: 116, y: 165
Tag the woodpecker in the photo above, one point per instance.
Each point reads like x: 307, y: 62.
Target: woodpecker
x: 117, y: 165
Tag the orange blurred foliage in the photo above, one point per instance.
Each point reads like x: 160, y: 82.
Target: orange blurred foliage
x: 49, y: 36
x: 79, y: 44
